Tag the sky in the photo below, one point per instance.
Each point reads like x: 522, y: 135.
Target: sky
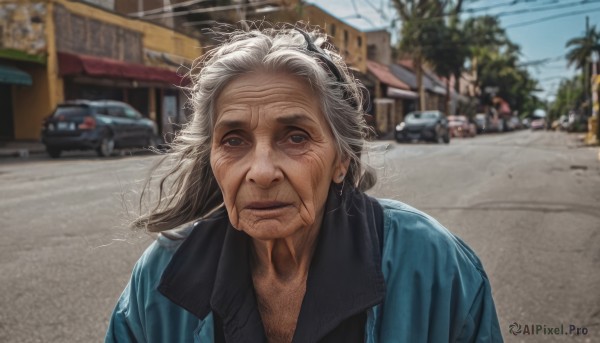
x: 539, y: 41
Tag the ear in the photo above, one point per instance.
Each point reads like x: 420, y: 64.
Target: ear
x: 340, y: 170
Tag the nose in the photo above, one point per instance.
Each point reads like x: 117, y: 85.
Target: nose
x: 264, y: 169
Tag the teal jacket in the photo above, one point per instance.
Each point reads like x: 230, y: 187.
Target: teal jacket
x: 435, y: 290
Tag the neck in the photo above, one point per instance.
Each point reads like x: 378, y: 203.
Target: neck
x: 285, y: 259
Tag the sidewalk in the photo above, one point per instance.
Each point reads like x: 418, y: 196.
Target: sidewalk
x: 21, y: 149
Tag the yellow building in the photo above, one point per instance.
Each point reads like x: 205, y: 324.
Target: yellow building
x: 56, y: 50
x: 350, y: 42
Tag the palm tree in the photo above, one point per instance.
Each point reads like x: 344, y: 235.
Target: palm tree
x: 583, y: 47
x: 484, y: 36
x: 581, y: 53
x: 421, y: 23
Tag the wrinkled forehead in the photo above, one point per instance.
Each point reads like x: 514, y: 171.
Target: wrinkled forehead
x: 270, y: 93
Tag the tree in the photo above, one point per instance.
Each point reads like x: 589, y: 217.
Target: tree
x: 423, y: 24
x: 494, y: 62
x: 582, y: 48
x: 580, y: 55
x: 569, y: 97
x: 484, y: 36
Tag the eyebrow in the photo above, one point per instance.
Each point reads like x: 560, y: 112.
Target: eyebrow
x: 231, y: 124
x: 292, y: 119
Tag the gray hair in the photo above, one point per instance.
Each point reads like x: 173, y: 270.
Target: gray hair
x: 193, y: 189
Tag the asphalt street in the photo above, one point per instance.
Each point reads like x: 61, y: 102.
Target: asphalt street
x: 527, y: 202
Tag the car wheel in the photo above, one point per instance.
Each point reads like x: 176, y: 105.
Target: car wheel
x: 446, y: 138
x: 154, y: 142
x: 439, y: 138
x: 53, y: 152
x: 106, y: 147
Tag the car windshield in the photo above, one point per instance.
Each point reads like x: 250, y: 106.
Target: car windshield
x: 71, y: 111
x: 415, y: 116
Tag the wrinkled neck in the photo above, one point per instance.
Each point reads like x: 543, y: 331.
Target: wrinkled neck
x: 285, y: 259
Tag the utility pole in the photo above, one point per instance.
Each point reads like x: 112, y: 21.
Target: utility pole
x: 586, y: 72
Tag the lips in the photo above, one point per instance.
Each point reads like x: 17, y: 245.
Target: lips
x: 267, y: 205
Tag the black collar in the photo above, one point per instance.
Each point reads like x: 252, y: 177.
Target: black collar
x: 210, y: 272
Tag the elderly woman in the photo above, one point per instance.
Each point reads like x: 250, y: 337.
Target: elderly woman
x: 284, y: 245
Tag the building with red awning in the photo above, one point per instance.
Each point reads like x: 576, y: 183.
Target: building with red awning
x: 57, y: 50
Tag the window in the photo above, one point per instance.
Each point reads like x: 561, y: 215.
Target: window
x: 345, y: 38
x: 131, y: 113
x: 359, y: 41
x: 332, y: 29
x: 68, y: 111
x: 116, y: 111
x: 102, y: 110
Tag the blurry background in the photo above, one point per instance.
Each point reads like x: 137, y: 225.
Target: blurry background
x: 507, y: 89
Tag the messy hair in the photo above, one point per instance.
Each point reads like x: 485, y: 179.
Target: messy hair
x: 188, y: 189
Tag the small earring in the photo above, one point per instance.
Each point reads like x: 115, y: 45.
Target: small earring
x: 341, y: 177
x: 342, y: 187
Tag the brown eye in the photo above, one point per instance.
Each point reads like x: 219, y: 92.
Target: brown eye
x: 297, y: 139
x: 233, y: 141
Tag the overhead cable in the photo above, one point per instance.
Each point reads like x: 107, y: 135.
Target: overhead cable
x: 165, y: 9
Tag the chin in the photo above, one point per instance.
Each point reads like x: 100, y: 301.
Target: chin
x: 268, y: 229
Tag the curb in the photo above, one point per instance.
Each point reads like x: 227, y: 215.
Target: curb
x: 19, y: 153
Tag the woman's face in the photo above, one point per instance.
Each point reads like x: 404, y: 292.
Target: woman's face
x: 273, y: 155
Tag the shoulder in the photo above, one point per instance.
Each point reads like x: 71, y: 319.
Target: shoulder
x: 157, y: 257
x: 410, y: 229
x: 434, y: 279
x: 149, y: 267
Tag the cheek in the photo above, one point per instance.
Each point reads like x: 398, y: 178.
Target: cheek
x: 229, y: 180
x: 316, y: 169
x: 311, y: 177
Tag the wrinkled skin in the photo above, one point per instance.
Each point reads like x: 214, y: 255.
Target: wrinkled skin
x: 274, y: 158
x: 272, y: 144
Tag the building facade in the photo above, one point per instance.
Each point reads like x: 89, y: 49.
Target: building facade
x: 81, y: 50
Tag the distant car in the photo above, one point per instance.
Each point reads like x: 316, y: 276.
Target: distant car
x: 100, y: 125
x: 496, y: 125
x: 481, y: 122
x: 426, y: 125
x: 514, y: 123
x: 472, y: 130
x: 459, y: 126
x: 538, y: 124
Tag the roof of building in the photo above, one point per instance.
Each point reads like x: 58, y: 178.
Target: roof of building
x: 309, y: 3
x: 383, y: 74
x: 406, y: 75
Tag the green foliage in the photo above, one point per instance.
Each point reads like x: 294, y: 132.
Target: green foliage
x: 424, y: 33
x: 583, y: 47
x: 569, y: 97
x: 580, y: 55
x: 431, y: 32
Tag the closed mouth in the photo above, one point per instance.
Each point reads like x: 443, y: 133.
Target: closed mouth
x: 267, y: 205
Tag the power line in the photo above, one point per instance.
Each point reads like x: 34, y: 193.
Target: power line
x: 485, y: 8
x: 212, y: 9
x: 516, y: 12
x: 378, y: 10
x: 568, y: 14
x: 167, y: 8
x: 358, y: 15
x: 543, y: 9
x: 552, y: 78
x: 542, y: 61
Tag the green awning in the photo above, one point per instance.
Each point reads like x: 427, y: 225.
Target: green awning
x: 14, y: 76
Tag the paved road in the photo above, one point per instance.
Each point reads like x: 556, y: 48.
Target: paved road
x: 527, y: 202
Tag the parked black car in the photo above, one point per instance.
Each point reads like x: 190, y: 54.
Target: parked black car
x: 426, y: 125
x: 101, y: 125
